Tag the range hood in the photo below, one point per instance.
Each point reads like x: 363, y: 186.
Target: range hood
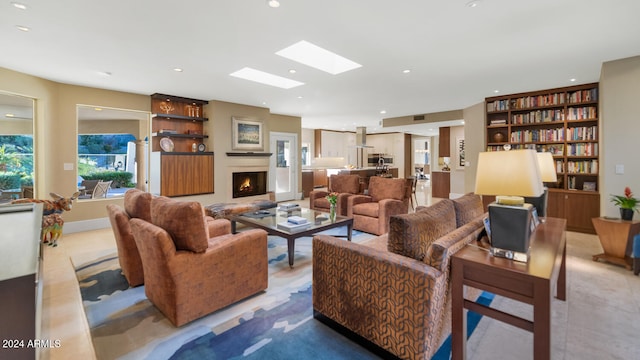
x: 361, y: 137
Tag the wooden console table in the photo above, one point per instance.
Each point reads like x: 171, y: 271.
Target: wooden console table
x: 616, y: 238
x: 531, y: 283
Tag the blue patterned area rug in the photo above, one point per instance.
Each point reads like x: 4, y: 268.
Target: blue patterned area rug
x: 275, y: 324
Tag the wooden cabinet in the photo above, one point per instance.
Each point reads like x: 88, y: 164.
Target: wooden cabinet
x: 186, y: 168
x: 186, y: 174
x: 444, y: 146
x: 320, y: 178
x: 440, y: 184
x: 564, y: 122
x: 578, y: 207
x: 307, y: 182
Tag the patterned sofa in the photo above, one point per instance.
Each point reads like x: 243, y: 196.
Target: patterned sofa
x: 394, y: 290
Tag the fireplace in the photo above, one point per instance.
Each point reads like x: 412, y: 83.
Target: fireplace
x: 249, y: 183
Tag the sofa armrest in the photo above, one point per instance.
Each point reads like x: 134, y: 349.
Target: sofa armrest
x: 217, y: 227
x: 391, y: 300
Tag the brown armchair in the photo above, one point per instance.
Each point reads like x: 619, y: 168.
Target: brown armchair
x: 137, y: 204
x: 344, y: 185
x: 189, y: 275
x: 371, y: 212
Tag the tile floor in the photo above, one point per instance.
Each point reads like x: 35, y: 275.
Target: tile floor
x: 600, y: 320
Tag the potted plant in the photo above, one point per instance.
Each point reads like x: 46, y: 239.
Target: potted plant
x: 627, y: 203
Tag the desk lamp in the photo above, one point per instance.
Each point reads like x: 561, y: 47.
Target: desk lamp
x: 547, y: 174
x: 510, y: 175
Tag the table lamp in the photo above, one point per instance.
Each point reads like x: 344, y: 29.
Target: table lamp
x: 547, y: 174
x: 510, y: 175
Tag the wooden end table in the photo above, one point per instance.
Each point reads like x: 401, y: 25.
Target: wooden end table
x: 531, y: 283
x: 616, y: 238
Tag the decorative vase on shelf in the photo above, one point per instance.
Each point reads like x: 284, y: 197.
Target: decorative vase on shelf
x: 626, y: 214
x: 332, y: 212
x: 498, y: 137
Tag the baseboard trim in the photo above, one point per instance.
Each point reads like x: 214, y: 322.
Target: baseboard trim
x: 358, y: 339
x: 85, y: 225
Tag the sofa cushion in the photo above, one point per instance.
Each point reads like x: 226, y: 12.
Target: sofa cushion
x: 345, y: 183
x: 370, y: 209
x: 137, y: 204
x: 385, y: 188
x: 468, y: 207
x: 183, y: 220
x: 412, y: 234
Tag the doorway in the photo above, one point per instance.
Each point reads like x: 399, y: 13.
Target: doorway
x: 283, y: 165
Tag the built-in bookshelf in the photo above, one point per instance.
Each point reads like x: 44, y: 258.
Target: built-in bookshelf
x: 562, y: 121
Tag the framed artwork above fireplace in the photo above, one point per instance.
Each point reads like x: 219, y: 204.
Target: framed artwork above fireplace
x: 247, y: 134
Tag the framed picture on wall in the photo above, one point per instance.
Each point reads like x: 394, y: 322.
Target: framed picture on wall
x: 460, y: 159
x: 247, y: 134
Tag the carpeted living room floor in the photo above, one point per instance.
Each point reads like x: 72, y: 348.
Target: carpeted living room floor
x: 600, y: 320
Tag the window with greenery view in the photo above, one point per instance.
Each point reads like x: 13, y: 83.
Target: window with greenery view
x: 16, y: 161
x: 107, y: 157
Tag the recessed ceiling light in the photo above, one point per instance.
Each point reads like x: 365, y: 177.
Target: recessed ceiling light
x: 496, y: 91
x: 104, y: 73
x: 462, y: 122
x: 177, y: 69
x: 383, y: 111
x: 19, y: 6
x: 292, y: 71
x: 23, y: 28
x: 9, y: 115
x: 273, y: 3
x: 406, y: 71
x: 299, y: 97
x: 265, y: 78
x: 572, y: 80
x: 264, y: 103
x: 312, y: 55
x: 97, y: 109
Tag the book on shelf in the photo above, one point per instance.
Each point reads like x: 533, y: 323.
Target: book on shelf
x: 289, y: 226
x: 499, y: 122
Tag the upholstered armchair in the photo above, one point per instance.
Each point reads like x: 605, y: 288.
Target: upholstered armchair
x: 137, y: 204
x: 189, y: 274
x: 344, y: 185
x: 371, y: 212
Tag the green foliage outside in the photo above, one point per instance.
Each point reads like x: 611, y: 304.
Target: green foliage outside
x: 16, y: 159
x: 119, y: 178
x: 9, y: 180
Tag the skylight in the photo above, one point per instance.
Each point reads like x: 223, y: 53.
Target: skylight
x: 312, y: 55
x: 262, y: 77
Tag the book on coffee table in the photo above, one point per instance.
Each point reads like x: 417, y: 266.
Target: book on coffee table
x: 289, y: 226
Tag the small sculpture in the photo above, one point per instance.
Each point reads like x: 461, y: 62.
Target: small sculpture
x: 52, y: 221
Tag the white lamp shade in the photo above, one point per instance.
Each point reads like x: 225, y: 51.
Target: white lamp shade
x: 510, y: 173
x: 547, y: 167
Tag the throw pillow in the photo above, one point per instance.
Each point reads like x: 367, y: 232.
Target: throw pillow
x: 468, y: 207
x: 137, y: 204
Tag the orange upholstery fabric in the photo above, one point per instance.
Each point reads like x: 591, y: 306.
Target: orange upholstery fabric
x: 344, y: 185
x: 128, y: 254
x: 400, y: 303
x: 468, y: 207
x: 185, y: 285
x: 137, y: 204
x: 183, y: 220
x: 371, y: 213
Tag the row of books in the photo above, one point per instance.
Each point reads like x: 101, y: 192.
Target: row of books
x: 538, y: 135
x: 582, y: 113
x: 582, y: 167
x: 575, y: 97
x: 538, y: 116
x: 575, y: 183
x: 583, y: 96
x: 582, y: 149
x: 583, y: 133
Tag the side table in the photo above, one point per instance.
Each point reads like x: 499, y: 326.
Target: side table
x: 531, y: 283
x: 616, y: 238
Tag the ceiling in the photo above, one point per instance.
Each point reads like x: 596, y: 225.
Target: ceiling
x: 457, y: 54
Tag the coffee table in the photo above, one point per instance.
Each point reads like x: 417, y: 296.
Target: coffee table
x: 268, y: 220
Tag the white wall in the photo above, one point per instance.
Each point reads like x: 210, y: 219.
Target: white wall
x: 619, y: 130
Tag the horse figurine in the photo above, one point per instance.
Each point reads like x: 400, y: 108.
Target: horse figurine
x: 52, y: 221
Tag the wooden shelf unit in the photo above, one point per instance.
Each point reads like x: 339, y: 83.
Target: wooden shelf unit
x: 180, y: 119
x: 182, y: 171
x: 562, y: 121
